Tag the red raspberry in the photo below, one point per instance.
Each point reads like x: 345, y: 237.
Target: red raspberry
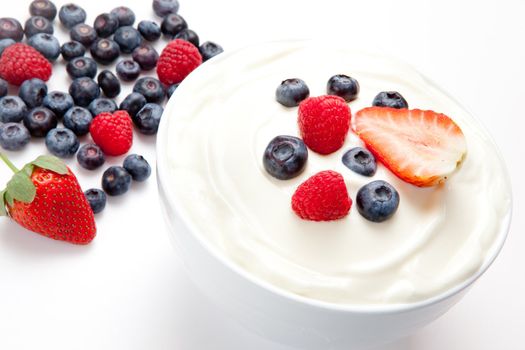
x: 20, y: 62
x: 177, y: 60
x: 324, y: 122
x: 112, y: 132
x: 323, y: 197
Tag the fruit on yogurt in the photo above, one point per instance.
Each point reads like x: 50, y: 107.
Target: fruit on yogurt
x: 361, y: 161
x: 421, y: 147
x: 390, y: 99
x: 343, y: 86
x: 285, y: 157
x: 291, y: 92
x: 377, y: 201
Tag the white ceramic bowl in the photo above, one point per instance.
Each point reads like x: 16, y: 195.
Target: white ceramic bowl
x: 275, y: 313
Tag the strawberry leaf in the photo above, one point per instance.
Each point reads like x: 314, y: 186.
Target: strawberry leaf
x: 3, y: 211
x: 9, y: 199
x: 51, y: 163
x: 28, y: 169
x: 21, y: 188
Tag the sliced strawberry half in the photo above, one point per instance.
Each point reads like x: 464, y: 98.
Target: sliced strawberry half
x: 420, y: 147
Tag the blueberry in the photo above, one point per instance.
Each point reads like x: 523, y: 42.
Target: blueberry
x: 137, y: 167
x: 78, y: 120
x: 377, y: 201
x: 12, y: 109
x: 133, y: 103
x: 361, y: 161
x: 171, y: 90
x: 285, y: 157
x: 116, y: 181
x: 146, y: 56
x: 343, y: 86
x: 291, y: 92
x: 128, y: 38
x: 109, y: 83
x: 13, y: 136
x: 102, y: 105
x: 147, y: 120
x: 61, y: 142
x: 105, y: 51
x: 106, y: 24
x: 84, y: 34
x: 84, y: 90
x: 149, y: 30
x: 5, y: 43
x: 39, y: 121
x: 72, y: 49
x: 90, y: 156
x: 188, y: 35
x: 46, y: 44
x: 162, y: 8
x: 96, y: 199
x: 37, y: 24
x: 33, y: 92
x: 125, y: 16
x: 58, y: 102
x: 70, y: 15
x: 44, y: 8
x: 209, y: 49
x: 81, y: 67
x: 10, y: 28
x: 173, y: 24
x: 391, y: 99
x: 128, y: 70
x: 4, y: 88
x: 151, y: 88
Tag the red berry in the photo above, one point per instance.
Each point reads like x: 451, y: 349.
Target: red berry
x: 112, y: 132
x: 324, y: 122
x: 323, y: 197
x: 177, y: 60
x: 20, y: 62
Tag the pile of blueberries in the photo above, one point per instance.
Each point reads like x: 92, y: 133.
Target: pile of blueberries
x: 35, y: 112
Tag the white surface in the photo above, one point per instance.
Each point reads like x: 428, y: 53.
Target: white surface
x: 128, y: 291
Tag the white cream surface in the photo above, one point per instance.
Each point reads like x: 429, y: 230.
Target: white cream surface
x: 223, y: 117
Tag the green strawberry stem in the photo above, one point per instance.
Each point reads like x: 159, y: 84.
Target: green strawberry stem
x: 8, y: 163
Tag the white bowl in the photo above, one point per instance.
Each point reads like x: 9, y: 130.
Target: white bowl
x: 280, y: 315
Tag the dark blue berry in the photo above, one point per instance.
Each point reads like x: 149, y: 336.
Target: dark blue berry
x: 37, y: 24
x: 11, y: 28
x: 78, y: 120
x: 46, y: 44
x: 173, y: 24
x: 90, y: 156
x: 105, y: 51
x: 127, y: 38
x: 70, y: 15
x: 63, y: 143
x: 391, y: 99
x: 81, y: 67
x: 377, y: 201
x: 172, y: 89
x: 146, y: 56
x: 96, y: 199
x: 5, y: 43
x: 12, y: 109
x: 116, y: 181
x: 39, y: 121
x: 13, y: 136
x: 147, y: 120
x: 209, y: 49
x: 162, y: 8
x: 101, y: 105
x: 72, y: 49
x: 109, y: 83
x: 149, y: 30
x: 291, y: 92
x: 151, y: 88
x: 4, y: 87
x: 84, y: 34
x: 137, y: 167
x: 33, y: 92
x: 285, y: 157
x: 133, y: 103
x: 188, y: 35
x: 58, y: 102
x: 106, y: 24
x: 125, y: 15
x: 44, y: 8
x: 84, y: 90
x: 128, y: 70
x: 343, y: 86
x: 361, y: 161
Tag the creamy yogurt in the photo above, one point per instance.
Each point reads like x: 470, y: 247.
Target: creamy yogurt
x: 222, y: 119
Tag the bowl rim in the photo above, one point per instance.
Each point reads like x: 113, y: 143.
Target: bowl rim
x: 163, y: 173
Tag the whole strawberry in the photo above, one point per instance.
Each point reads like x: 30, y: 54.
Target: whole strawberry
x: 113, y: 133
x: 20, y: 62
x: 45, y: 197
x: 178, y: 59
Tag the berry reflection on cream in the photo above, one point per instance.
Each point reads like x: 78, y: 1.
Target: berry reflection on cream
x: 223, y: 120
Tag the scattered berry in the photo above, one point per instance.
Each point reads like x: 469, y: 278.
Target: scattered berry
x: 33, y: 92
x: 105, y: 51
x: 81, y: 67
x: 116, y: 181
x: 133, y: 103
x: 13, y: 136
x: 178, y: 59
x: 96, y: 199
x: 113, y: 132
x: 146, y: 56
x: 5, y: 43
x: 128, y: 38
x: 188, y: 35
x: 39, y: 121
x: 163, y: 8
x: 109, y: 83
x: 128, y: 70
x: 11, y: 28
x: 84, y: 34
x: 90, y: 156
x: 20, y: 62
x: 12, y: 109
x: 361, y: 161
x: 391, y: 99
x: 78, y: 120
x: 285, y: 157
x: 101, y: 105
x: 173, y: 24
x: 37, y: 24
x: 149, y: 30
x: 70, y: 15
x: 151, y: 89
x: 46, y: 44
x: 291, y: 92
x: 4, y: 88
x: 84, y: 90
x: 62, y: 143
x: 125, y: 16
x: 171, y: 90
x: 44, y: 8
x: 147, y: 120
x: 137, y: 167
x: 106, y: 24
x: 377, y: 201
x: 72, y: 49
x: 210, y: 49
x: 343, y: 86
x: 58, y: 102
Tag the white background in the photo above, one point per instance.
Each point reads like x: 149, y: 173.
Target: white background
x: 127, y: 290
